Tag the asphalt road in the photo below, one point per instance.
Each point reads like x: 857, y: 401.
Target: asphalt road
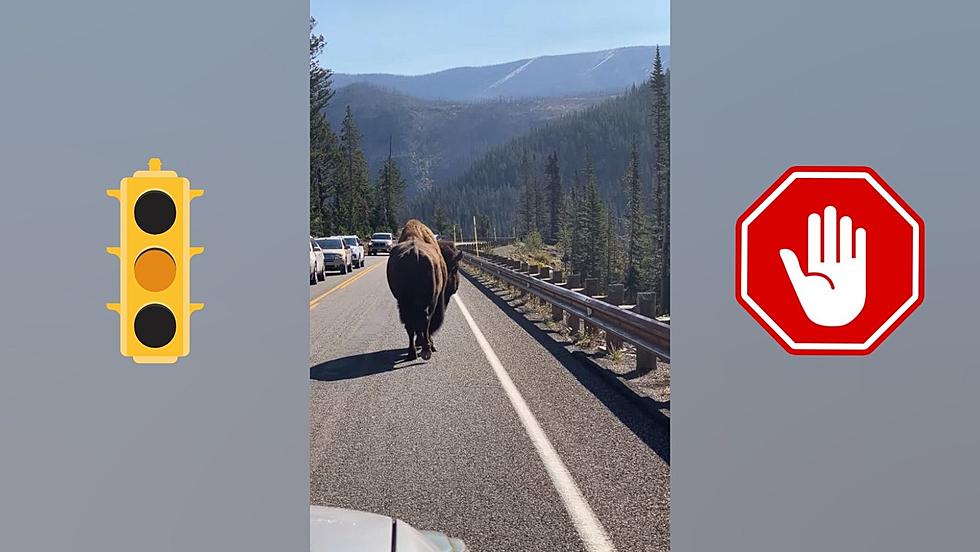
x: 445, y: 445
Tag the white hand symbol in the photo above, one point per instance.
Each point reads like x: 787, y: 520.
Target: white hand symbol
x: 832, y: 291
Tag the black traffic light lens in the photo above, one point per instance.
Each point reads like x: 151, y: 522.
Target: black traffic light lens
x: 155, y: 212
x: 155, y: 326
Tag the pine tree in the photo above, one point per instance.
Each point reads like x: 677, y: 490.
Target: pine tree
x: 613, y: 270
x: 638, y: 246
x: 323, y: 153
x: 439, y: 224
x: 323, y: 142
x: 320, y: 83
x: 565, y: 229
x: 389, y: 197
x: 352, y: 197
x: 592, y: 219
x: 540, y: 211
x: 553, y: 173
x: 578, y: 222
x: 661, y: 133
x: 528, y: 207
x: 483, y: 228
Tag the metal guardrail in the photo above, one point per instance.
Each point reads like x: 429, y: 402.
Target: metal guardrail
x: 646, y: 333
x: 485, y: 244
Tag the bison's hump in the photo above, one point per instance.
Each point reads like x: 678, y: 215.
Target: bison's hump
x: 416, y: 229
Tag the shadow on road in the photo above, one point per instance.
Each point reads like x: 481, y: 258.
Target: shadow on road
x: 613, y: 394
x: 358, y: 366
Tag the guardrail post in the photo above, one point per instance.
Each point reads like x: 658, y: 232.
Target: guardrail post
x: 532, y: 271
x: 645, y: 360
x: 574, y: 283
x: 544, y: 272
x: 525, y: 269
x: 536, y: 272
x: 557, y: 314
x: 614, y: 297
x: 591, y: 289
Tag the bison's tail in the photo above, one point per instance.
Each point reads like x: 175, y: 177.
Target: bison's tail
x: 413, y: 314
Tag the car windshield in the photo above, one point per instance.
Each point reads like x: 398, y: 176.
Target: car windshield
x: 330, y: 243
x: 350, y: 241
x: 381, y: 236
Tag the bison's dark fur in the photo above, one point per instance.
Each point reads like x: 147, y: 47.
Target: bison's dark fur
x: 422, y: 275
x: 451, y: 256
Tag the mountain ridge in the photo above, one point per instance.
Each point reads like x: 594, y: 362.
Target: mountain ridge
x: 541, y: 76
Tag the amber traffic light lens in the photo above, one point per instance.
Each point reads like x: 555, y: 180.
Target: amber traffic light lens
x: 155, y: 326
x: 155, y: 212
x: 155, y: 270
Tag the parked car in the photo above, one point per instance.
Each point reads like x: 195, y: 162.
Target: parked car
x: 356, y: 250
x: 342, y: 530
x: 336, y: 255
x: 317, y: 270
x: 381, y: 241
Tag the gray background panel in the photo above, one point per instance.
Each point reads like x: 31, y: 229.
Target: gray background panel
x: 773, y: 452
x: 97, y: 453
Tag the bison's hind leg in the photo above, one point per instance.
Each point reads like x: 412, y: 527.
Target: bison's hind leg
x: 427, y: 347
x: 412, y: 353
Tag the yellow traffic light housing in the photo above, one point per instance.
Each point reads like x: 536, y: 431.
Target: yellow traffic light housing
x: 154, y: 265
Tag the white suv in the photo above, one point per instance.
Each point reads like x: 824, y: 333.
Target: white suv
x: 336, y: 255
x: 356, y: 250
x: 381, y: 241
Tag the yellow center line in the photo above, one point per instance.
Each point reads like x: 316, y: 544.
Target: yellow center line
x: 316, y: 300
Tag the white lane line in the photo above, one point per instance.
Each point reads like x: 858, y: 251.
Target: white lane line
x: 589, y: 527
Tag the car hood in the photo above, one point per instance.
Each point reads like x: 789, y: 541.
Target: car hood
x: 334, y: 251
x: 342, y: 530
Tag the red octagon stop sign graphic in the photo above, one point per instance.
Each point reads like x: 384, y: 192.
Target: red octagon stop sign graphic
x: 829, y: 260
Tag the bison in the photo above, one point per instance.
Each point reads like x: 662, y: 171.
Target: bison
x: 422, y: 274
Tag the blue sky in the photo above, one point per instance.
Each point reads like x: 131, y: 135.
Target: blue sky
x: 421, y: 36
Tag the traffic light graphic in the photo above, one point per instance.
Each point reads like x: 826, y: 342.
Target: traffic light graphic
x: 154, y: 265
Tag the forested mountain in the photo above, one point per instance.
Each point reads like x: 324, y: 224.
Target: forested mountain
x: 492, y: 185
x: 434, y: 140
x: 594, y: 182
x: 544, y: 76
